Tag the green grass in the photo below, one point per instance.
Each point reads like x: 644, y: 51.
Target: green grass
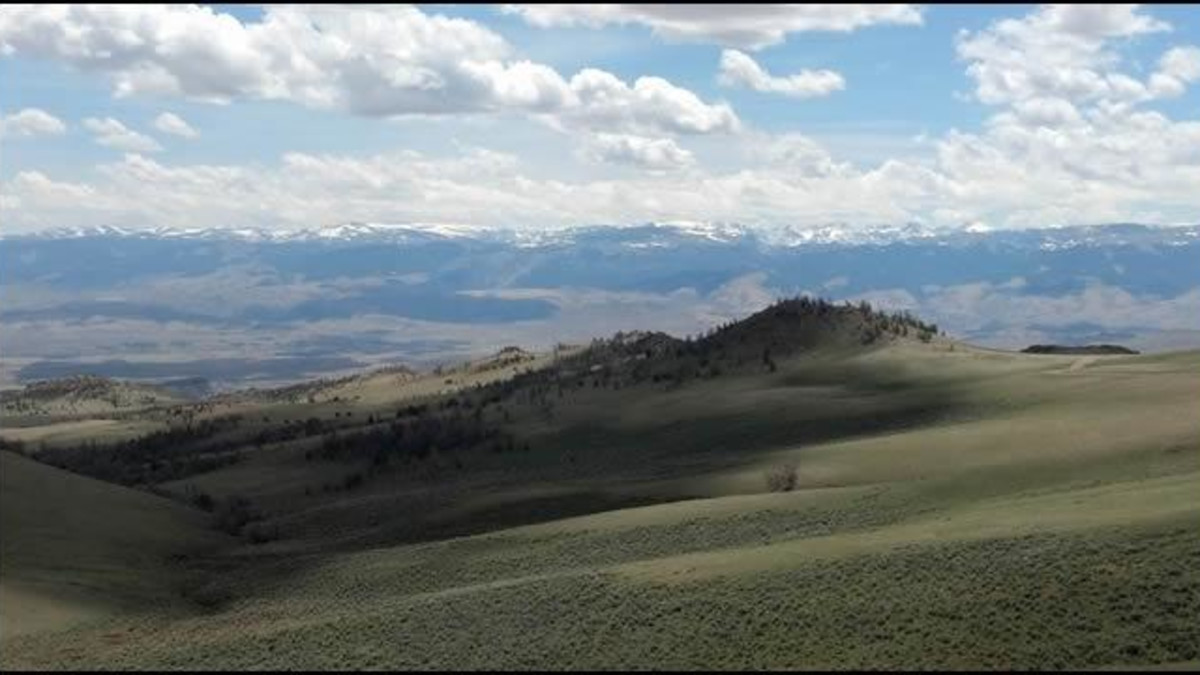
x: 1098, y: 597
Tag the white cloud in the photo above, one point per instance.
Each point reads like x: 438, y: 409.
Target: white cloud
x: 1096, y: 21
x: 478, y: 187
x: 35, y: 182
x: 112, y: 134
x: 739, y: 70
x: 1070, y: 141
x: 1072, y: 138
x: 747, y: 26
x: 1145, y: 169
x: 1182, y: 63
x: 30, y: 122
x: 32, y: 200
x: 1058, y: 51
x: 655, y: 154
x: 1046, y: 112
x: 1178, y: 67
x: 170, y: 123
x: 796, y: 155
x: 374, y: 61
x: 603, y: 101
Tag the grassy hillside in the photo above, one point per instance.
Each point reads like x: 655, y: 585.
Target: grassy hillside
x: 76, y: 551
x: 815, y: 487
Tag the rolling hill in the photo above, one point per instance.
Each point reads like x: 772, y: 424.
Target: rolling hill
x: 83, y: 395
x: 619, y: 505
x: 76, y: 551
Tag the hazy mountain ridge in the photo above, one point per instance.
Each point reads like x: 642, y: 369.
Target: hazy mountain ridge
x: 326, y: 301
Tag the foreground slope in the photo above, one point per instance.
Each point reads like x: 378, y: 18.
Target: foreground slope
x: 75, y: 550
x: 952, y: 507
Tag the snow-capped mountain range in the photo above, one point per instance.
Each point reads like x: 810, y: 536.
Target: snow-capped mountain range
x: 659, y: 234
x: 419, y: 290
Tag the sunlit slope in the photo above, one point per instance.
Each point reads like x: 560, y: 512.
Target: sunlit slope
x: 965, y: 423
x: 76, y: 397
x: 955, y: 507
x: 73, y: 549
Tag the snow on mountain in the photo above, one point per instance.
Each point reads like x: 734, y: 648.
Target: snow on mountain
x: 663, y: 234
x: 356, y: 230
x: 718, y: 232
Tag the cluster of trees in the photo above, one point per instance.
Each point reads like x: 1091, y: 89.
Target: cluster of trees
x: 235, y: 515
x: 412, y: 438
x: 157, y: 457
x: 291, y: 430
x: 898, y: 323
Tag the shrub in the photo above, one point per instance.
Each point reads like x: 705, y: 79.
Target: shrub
x: 234, y: 513
x: 201, y: 500
x: 782, y: 478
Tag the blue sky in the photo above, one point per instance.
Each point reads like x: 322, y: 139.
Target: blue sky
x: 1002, y: 116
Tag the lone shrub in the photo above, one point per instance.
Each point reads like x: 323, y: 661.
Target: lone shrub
x: 202, y: 500
x: 782, y: 478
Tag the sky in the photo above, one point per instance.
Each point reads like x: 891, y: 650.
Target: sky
x: 545, y: 116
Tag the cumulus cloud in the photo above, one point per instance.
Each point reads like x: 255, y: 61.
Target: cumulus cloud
x: 747, y: 26
x: 30, y: 122
x: 1178, y: 67
x: 112, y: 134
x: 1056, y: 52
x: 483, y: 187
x: 656, y: 154
x: 740, y: 70
x: 374, y: 61
x: 1096, y: 21
x: 796, y: 155
x: 170, y: 123
x: 652, y: 103
x: 1071, y: 138
x: 32, y: 200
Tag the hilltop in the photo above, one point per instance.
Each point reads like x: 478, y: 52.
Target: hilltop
x: 1084, y: 349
